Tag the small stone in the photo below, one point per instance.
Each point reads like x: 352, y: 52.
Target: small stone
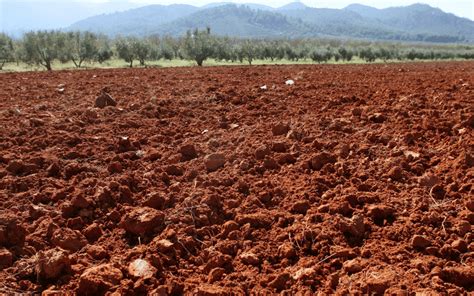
x: 420, y: 242
x: 250, y: 258
x: 377, y: 285
x: 462, y: 276
x: 228, y: 227
x: 52, y: 264
x: 152, y: 155
x: 12, y: 233
x: 68, y: 239
x: 214, y: 161
x: 438, y: 191
x: 143, y: 220
x: 93, y: 232
x: 321, y: 159
x: 379, y: 213
x: 300, y: 207
x: 36, y: 122
x: 97, y: 252
x: 261, y: 152
x: 104, y: 100
x: 155, y: 200
x: 256, y: 220
x: 280, y: 282
x: 215, y: 275
x: 354, y: 226
x: 174, y: 170
x: 99, y: 279
x: 164, y: 245
x: 279, y: 147
x: 463, y: 227
x: 395, y: 173
x: 54, y: 170
x: 124, y: 145
x: 80, y: 202
x: 357, y: 111
x: 286, y: 250
x: 353, y: 266
x: 470, y: 205
x: 188, y: 152
x: 15, y: 167
x: 140, y: 268
x: 6, y: 258
x: 115, y: 167
x: 428, y: 180
x: 270, y: 164
x: 377, y: 118
x: 280, y: 129
x: 304, y: 273
x: 209, y: 290
x: 459, y: 245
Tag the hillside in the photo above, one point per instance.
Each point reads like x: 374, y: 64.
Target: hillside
x: 418, y: 22
x: 17, y: 17
x: 140, y: 21
x: 233, y: 20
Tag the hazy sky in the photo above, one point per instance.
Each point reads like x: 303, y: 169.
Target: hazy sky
x: 464, y: 8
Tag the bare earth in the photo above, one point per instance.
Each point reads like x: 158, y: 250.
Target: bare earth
x: 357, y: 179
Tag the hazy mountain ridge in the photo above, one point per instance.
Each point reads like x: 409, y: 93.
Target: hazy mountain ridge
x: 418, y: 22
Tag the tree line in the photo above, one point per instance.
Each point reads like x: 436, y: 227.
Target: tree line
x: 45, y: 47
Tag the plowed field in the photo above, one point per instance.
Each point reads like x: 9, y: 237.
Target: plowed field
x: 356, y: 179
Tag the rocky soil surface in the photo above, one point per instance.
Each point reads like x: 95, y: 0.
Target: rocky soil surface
x: 356, y: 179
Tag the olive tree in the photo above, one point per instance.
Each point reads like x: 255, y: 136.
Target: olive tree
x: 43, y: 47
x: 125, y: 51
x: 6, y: 50
x: 142, y: 50
x: 199, y: 45
x: 249, y: 51
x: 82, y: 46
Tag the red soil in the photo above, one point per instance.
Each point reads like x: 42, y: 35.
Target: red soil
x: 356, y: 180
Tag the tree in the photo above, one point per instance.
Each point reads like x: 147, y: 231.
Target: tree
x: 173, y: 45
x: 321, y: 55
x: 368, y: 55
x: 124, y: 47
x: 104, y: 52
x: 346, y: 54
x: 142, y: 50
x: 43, y: 47
x: 223, y: 49
x: 6, y: 50
x: 199, y: 45
x: 249, y: 51
x: 82, y: 46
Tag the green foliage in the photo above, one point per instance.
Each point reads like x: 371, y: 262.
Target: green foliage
x: 368, y: 55
x: 82, y: 46
x: 6, y: 49
x: 126, y: 49
x: 79, y: 48
x: 42, y: 47
x: 249, y: 51
x: 321, y: 55
x: 199, y: 45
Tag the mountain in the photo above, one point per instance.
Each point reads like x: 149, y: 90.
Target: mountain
x: 233, y: 20
x: 17, y: 17
x: 418, y: 19
x: 418, y: 22
x: 140, y: 21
